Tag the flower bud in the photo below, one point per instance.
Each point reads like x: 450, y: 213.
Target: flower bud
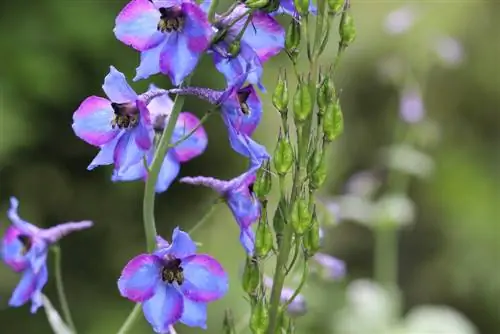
x: 280, y: 95
x: 302, y: 7
x: 317, y: 169
x: 326, y: 93
x: 259, y: 319
x: 292, y: 39
x: 347, y: 30
x: 312, y: 238
x: 302, y: 102
x: 300, y: 216
x: 263, y: 182
x: 335, y: 6
x: 234, y: 48
x: 251, y: 276
x: 279, y: 220
x: 283, y: 155
x: 256, y: 4
x: 228, y: 323
x: 333, y: 121
x: 263, y: 236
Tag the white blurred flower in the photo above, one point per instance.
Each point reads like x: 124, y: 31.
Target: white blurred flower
x: 400, y: 20
x: 363, y: 184
x: 408, y: 160
x: 431, y: 319
x: 356, y: 208
x: 449, y: 50
x: 397, y: 209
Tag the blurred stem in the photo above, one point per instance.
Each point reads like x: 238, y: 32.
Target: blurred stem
x: 386, y: 255
x: 60, y: 289
x: 212, y: 9
x: 129, y: 322
x: 203, y: 219
x: 161, y: 152
x: 305, y: 273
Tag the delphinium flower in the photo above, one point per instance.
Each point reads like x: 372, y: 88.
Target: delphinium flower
x: 239, y: 196
x: 171, y: 35
x: 411, y: 106
x: 160, y: 108
x: 245, y: 49
x: 297, y: 307
x: 174, y: 283
x: 330, y: 267
x: 120, y: 126
x: 288, y: 7
x: 24, y: 250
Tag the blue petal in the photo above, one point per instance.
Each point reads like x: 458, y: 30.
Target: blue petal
x: 150, y: 62
x: 195, y: 314
x: 127, y: 153
x: 168, y: 172
x: 164, y: 308
x: 247, y: 239
x: 182, y: 244
x: 117, y: 88
x: 24, y: 290
x: 140, y: 277
x: 195, y: 144
x: 176, y: 60
x: 106, y: 154
x: 37, y: 255
x: 41, y: 280
x: 12, y: 249
x: 19, y: 223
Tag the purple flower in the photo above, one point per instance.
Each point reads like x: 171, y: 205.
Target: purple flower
x: 120, y: 126
x: 288, y: 7
x: 171, y: 35
x: 331, y: 267
x: 263, y: 39
x: 400, y: 20
x: 160, y: 108
x: 449, y: 50
x: 411, y: 106
x: 24, y: 250
x: 297, y: 307
x: 173, y: 283
x: 241, y: 200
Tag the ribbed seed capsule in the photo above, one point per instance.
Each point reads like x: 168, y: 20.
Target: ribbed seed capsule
x: 263, y: 236
x: 311, y: 239
x: 251, y: 276
x: 292, y: 39
x: 333, y: 121
x: 259, y: 319
x: 302, y: 102
x: 335, y: 6
x: 263, y: 182
x: 319, y: 171
x: 279, y: 220
x: 280, y: 95
x: 302, y: 7
x: 347, y: 30
x: 228, y: 323
x: 326, y: 93
x: 300, y: 216
x: 256, y: 4
x: 283, y: 155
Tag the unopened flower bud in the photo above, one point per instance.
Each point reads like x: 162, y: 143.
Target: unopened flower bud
x: 228, y: 323
x: 234, y: 48
x: 256, y: 4
x: 326, y: 93
x: 280, y: 95
x: 302, y: 102
x: 347, y: 30
x: 283, y: 155
x: 317, y: 169
x: 335, y: 5
x: 263, y: 236
x: 333, y: 121
x: 312, y: 238
x: 331, y: 267
x: 302, y: 7
x: 279, y: 220
x: 259, y: 319
x: 292, y: 39
x: 263, y: 182
x: 300, y: 216
x: 251, y: 276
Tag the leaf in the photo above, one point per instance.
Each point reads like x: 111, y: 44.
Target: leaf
x: 55, y: 321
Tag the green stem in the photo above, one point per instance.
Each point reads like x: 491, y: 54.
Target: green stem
x: 190, y: 133
x: 60, y: 289
x: 203, y: 219
x: 161, y: 152
x: 295, y: 256
x: 386, y: 257
x: 129, y: 322
x: 305, y: 273
x: 211, y: 10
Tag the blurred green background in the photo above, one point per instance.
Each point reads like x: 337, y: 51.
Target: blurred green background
x: 55, y: 53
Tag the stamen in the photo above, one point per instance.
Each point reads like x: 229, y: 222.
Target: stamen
x: 126, y: 115
x: 26, y: 241
x: 173, y: 272
x: 171, y: 19
x: 242, y: 99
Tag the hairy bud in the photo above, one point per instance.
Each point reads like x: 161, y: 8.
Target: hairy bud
x: 302, y: 102
x: 263, y: 182
x: 283, y: 155
x: 333, y: 121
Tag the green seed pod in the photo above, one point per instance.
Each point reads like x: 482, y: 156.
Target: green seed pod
x: 302, y: 103
x: 325, y: 93
x: 333, y: 121
x: 234, y: 48
x: 292, y: 39
x: 311, y: 239
x: 279, y: 220
x: 228, y: 323
x: 263, y: 236
x: 256, y: 4
x: 251, y: 276
x: 319, y: 171
x: 301, y: 216
x: 283, y: 155
x: 302, y: 7
x: 347, y: 30
x: 335, y: 6
x: 263, y: 183
x: 280, y: 95
x: 259, y: 319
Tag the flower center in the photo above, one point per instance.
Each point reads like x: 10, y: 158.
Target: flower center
x: 171, y: 19
x: 242, y: 99
x: 26, y: 241
x: 126, y: 115
x: 173, y: 272
x: 250, y: 188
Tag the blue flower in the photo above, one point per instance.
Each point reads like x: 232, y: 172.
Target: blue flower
x: 120, y: 126
x: 241, y: 200
x: 160, y: 108
x: 171, y: 35
x: 24, y: 250
x: 288, y: 7
x: 263, y: 39
x: 173, y: 283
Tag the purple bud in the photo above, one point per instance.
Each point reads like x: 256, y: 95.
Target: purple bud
x: 332, y: 268
x: 411, y: 106
x: 297, y: 307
